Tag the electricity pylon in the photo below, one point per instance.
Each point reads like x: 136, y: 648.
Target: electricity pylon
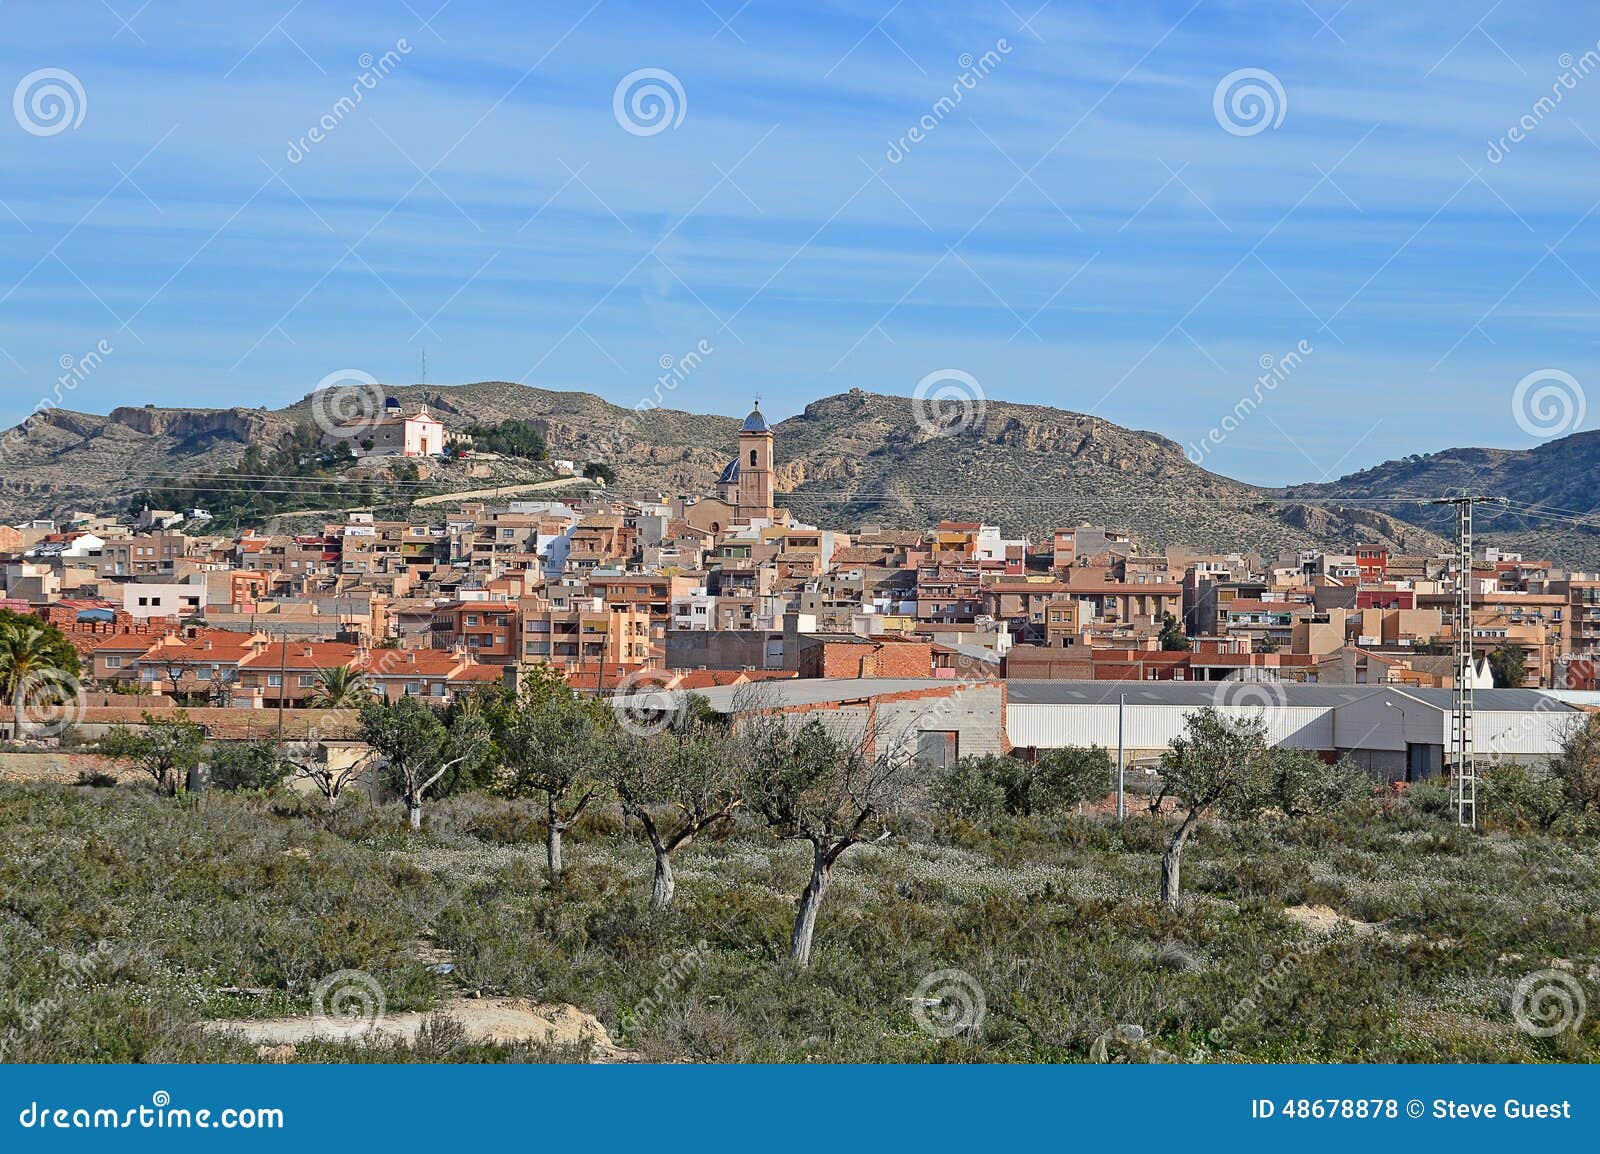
x: 1464, y: 766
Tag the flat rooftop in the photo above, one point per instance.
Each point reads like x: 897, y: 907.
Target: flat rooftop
x: 1193, y: 694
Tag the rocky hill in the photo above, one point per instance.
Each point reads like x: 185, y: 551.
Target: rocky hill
x: 59, y: 460
x: 852, y: 459
x: 1560, y: 477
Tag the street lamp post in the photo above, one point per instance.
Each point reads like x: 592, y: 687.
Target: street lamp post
x: 1405, y: 744
x: 1122, y: 704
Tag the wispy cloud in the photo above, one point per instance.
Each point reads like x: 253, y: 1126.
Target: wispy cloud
x: 443, y: 209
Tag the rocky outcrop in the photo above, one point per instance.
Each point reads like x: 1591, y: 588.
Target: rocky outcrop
x: 242, y: 425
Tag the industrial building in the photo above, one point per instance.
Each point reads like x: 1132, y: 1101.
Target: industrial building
x: 1396, y: 733
x: 1399, y: 734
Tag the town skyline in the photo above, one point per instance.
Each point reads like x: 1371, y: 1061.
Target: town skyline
x: 807, y: 535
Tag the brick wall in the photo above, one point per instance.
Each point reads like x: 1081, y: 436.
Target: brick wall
x: 850, y: 659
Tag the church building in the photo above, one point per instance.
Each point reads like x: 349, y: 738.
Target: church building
x: 746, y: 489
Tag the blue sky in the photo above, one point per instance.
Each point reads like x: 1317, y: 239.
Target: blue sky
x: 1081, y: 230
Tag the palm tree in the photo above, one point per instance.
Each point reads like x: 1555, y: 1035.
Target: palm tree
x: 341, y: 687
x: 29, y: 653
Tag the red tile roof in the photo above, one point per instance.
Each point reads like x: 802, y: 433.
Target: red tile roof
x: 217, y: 645
x: 304, y: 656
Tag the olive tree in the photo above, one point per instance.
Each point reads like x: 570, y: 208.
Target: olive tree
x: 247, y: 765
x: 813, y: 785
x: 1301, y: 784
x: 418, y: 747
x: 1054, y: 782
x: 677, y: 786
x: 557, y: 747
x: 308, y: 762
x: 164, y: 747
x: 1217, y: 763
x: 1577, y: 766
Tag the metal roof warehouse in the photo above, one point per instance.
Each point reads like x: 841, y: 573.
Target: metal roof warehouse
x: 1396, y: 732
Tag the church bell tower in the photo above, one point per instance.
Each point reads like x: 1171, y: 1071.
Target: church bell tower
x: 755, y: 467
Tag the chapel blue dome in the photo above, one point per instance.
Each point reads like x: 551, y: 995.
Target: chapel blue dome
x: 754, y: 423
x: 730, y: 475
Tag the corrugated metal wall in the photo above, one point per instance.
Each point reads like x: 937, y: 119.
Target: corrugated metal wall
x: 1154, y: 726
x: 1512, y: 734
x: 1362, y: 725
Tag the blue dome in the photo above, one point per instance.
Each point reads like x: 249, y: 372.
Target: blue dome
x: 730, y: 475
x: 754, y: 423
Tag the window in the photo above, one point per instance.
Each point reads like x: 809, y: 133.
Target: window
x: 752, y: 458
x: 938, y: 748
x: 113, y: 663
x: 472, y: 619
x: 275, y: 680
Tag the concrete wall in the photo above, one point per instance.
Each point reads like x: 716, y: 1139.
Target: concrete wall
x: 974, y: 713
x: 721, y: 649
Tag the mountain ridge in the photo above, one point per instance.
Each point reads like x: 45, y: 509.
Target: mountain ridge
x: 849, y: 459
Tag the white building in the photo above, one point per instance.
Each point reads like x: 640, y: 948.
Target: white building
x: 1395, y: 732
x: 143, y: 600
x: 695, y: 610
x: 78, y: 546
x: 396, y: 433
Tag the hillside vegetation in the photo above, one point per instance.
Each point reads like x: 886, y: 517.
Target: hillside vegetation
x: 1383, y: 934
